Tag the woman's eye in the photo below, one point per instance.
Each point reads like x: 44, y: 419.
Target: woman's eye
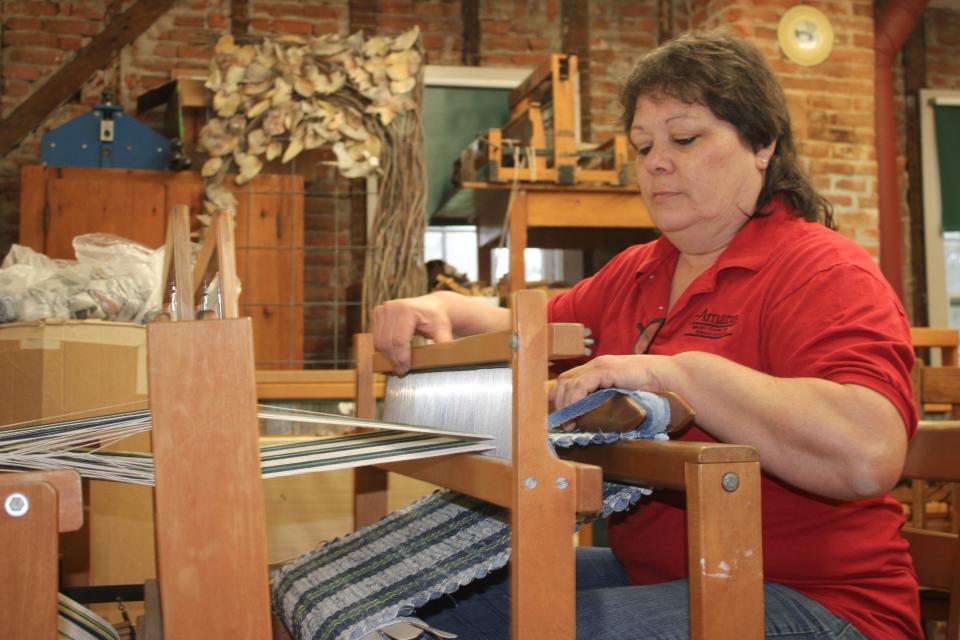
x: 643, y: 150
x: 685, y: 140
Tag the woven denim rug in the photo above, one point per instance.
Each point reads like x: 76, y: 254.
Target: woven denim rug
x: 355, y: 585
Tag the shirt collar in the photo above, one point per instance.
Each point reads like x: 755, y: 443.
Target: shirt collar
x: 749, y: 249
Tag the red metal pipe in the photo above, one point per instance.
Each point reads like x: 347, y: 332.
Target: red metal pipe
x: 894, y: 22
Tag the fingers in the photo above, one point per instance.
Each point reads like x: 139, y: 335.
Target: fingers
x: 395, y: 322
x: 600, y: 373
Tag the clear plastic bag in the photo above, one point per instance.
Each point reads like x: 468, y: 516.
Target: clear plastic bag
x: 112, y: 279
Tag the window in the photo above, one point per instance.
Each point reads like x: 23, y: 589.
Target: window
x: 455, y: 245
x: 941, y: 218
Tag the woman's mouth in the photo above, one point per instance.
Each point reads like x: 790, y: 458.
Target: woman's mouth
x: 663, y: 196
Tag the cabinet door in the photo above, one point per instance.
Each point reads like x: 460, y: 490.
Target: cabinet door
x: 57, y: 204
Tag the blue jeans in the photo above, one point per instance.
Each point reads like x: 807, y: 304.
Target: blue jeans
x: 610, y: 608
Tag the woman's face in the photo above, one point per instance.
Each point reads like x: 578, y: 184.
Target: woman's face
x: 699, y: 178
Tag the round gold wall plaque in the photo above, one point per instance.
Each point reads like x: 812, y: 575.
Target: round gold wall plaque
x: 805, y: 35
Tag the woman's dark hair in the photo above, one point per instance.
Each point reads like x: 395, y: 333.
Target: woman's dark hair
x: 729, y: 76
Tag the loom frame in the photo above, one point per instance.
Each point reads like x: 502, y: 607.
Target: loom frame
x: 721, y: 483
x: 210, y: 536
x: 28, y: 592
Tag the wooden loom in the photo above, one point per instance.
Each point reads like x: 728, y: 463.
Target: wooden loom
x: 211, y: 538
x: 544, y: 493
x: 541, y: 141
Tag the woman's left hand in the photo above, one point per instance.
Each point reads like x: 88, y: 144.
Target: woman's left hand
x: 635, y: 372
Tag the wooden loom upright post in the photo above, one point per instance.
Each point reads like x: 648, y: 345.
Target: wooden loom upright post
x: 542, y: 569
x: 209, y: 506
x: 176, y: 263
x: 35, y: 507
x: 219, y: 242
x: 719, y: 555
x: 369, y: 483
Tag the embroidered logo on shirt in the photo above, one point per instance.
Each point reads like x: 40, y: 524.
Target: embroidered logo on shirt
x: 712, y: 325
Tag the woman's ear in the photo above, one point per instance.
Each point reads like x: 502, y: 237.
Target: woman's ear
x: 764, y: 154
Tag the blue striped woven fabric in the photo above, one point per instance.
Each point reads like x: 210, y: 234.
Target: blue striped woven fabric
x: 365, y: 581
x: 382, y: 573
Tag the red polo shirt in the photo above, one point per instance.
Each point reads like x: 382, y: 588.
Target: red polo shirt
x: 792, y: 299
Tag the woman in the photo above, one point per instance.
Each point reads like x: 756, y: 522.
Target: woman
x: 780, y: 332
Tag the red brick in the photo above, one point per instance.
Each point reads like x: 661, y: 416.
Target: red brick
x: 852, y: 185
x: 72, y: 26
x: 69, y: 43
x: 20, y: 39
x: 37, y: 56
x: 22, y: 24
x: 292, y: 26
x: 432, y: 42
x: 194, y: 51
x: 32, y: 8
x: 198, y: 22
x: 260, y: 24
x: 281, y: 8
x: 22, y: 71
x: 13, y: 87
x: 321, y: 11
x: 217, y: 21
x: 165, y: 49
x: 84, y: 10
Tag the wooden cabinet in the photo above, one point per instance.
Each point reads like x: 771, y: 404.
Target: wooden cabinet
x: 57, y: 204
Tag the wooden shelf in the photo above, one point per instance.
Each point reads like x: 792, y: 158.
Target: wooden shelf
x: 546, y: 215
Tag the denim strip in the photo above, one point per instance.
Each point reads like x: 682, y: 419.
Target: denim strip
x: 653, y: 427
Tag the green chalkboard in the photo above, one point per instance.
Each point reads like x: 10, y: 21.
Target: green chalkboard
x: 948, y: 155
x: 452, y: 118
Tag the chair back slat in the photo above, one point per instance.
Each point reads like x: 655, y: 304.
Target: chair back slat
x: 934, y: 452
x: 933, y: 456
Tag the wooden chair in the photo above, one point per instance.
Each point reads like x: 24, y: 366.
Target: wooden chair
x: 936, y: 346
x: 928, y: 504
x: 722, y: 484
x: 934, y: 503
x: 933, y: 456
x: 945, y: 339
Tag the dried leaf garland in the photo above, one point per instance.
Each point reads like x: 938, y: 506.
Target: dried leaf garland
x: 293, y: 93
x: 288, y: 94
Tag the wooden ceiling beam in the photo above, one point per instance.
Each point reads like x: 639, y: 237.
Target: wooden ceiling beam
x: 66, y: 81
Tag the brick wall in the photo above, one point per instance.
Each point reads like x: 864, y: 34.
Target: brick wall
x: 619, y: 30
x: 831, y: 104
x: 943, y: 48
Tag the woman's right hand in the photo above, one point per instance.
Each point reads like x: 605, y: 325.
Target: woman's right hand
x: 395, y: 322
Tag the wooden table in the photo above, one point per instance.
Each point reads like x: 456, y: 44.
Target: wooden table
x: 548, y: 215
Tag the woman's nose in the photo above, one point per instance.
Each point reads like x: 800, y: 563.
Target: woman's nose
x: 655, y: 162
